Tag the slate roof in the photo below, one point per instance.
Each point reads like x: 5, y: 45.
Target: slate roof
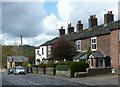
x: 47, y: 43
x: 98, y: 54
x: 87, y: 33
x: 79, y: 56
x: 17, y: 58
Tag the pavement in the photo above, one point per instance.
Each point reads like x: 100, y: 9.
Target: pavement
x: 107, y: 79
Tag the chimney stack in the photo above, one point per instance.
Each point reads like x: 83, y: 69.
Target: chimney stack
x: 70, y: 29
x: 61, y: 31
x: 92, y: 21
x: 109, y: 17
x: 79, y: 26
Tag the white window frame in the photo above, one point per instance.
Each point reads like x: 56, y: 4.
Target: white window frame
x: 93, y: 43
x: 38, y: 52
x: 49, y: 49
x: 42, y: 51
x: 78, y: 45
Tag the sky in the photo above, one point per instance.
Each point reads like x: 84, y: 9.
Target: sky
x: 39, y: 20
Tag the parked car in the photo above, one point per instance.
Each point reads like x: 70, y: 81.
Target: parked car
x: 11, y: 70
x: 19, y: 70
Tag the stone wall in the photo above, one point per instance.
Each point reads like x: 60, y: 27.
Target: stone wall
x: 98, y: 71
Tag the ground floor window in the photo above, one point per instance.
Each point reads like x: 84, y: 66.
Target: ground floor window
x: 101, y: 62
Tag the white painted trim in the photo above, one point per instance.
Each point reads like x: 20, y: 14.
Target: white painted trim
x: 78, y: 42
x: 94, y: 43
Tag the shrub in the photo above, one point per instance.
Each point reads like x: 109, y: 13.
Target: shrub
x: 42, y: 65
x: 68, y: 63
x: 78, y: 67
x: 62, y: 67
x: 34, y: 65
x: 50, y: 64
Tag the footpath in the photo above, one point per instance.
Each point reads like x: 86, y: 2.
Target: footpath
x: 107, y: 80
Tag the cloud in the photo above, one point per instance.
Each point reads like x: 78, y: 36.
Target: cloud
x: 22, y: 18
x: 50, y: 24
x: 72, y: 11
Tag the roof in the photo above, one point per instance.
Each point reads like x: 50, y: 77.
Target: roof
x: 98, y: 54
x: 87, y: 33
x: 17, y: 58
x: 47, y: 43
x: 79, y: 56
x: 95, y: 31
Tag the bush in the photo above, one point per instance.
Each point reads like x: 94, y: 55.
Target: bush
x: 68, y: 63
x: 42, y: 65
x: 50, y: 64
x: 78, y: 67
x: 34, y: 65
x: 62, y: 67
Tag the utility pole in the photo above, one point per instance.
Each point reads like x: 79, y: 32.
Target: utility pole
x: 21, y: 44
x: 21, y: 49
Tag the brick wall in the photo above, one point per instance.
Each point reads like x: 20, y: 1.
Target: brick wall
x: 85, y: 43
x: 114, y: 49
x: 103, y: 44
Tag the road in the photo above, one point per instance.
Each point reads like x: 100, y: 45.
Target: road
x: 38, y: 80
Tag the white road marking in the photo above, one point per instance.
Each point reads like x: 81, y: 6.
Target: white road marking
x: 33, y: 83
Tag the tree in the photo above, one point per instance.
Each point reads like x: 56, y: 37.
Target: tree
x: 62, y: 49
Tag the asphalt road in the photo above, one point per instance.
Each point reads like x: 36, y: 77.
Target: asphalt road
x: 35, y: 80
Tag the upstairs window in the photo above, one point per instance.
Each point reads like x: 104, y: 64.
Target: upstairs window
x: 42, y: 51
x: 37, y: 52
x: 94, y: 43
x: 49, y: 49
x: 78, y: 43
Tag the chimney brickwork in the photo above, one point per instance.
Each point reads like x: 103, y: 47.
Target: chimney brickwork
x: 79, y: 26
x: 61, y: 31
x: 109, y: 17
x: 92, y: 21
x: 70, y: 29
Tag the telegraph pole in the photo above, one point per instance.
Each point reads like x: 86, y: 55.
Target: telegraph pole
x: 21, y: 44
x: 21, y: 49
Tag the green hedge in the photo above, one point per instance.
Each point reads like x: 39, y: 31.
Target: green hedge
x: 62, y: 68
x: 78, y: 67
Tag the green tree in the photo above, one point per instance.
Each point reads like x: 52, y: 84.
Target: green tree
x: 88, y: 53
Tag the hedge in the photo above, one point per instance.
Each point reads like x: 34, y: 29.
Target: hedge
x: 78, y: 67
x: 62, y: 68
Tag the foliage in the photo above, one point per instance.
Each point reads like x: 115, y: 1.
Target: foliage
x: 14, y: 50
x: 62, y: 49
x: 25, y: 64
x: 88, y: 52
x: 62, y: 67
x: 65, y: 63
x: 42, y: 65
x: 50, y: 64
x: 78, y: 67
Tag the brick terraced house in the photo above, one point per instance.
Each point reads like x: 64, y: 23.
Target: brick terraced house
x: 104, y: 41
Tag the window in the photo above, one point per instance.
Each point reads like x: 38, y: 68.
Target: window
x: 78, y: 43
x: 94, y: 43
x: 37, y: 52
x: 42, y: 51
x: 49, y: 49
